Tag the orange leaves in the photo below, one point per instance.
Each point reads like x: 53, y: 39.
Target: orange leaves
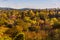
x: 19, y: 28
x: 2, y: 30
x: 38, y: 21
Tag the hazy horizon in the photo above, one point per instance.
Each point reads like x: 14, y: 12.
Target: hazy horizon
x: 36, y: 4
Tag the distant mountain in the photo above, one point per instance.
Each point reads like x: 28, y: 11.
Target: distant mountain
x: 28, y: 9
x: 25, y: 9
x: 5, y: 8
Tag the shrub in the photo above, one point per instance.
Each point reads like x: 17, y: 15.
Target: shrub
x: 19, y: 36
x: 56, y: 26
x: 33, y: 29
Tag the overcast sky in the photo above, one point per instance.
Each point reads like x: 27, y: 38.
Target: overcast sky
x: 30, y: 3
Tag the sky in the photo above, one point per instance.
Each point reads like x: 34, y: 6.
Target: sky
x: 38, y: 4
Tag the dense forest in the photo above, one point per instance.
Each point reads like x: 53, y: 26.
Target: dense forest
x: 30, y: 24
